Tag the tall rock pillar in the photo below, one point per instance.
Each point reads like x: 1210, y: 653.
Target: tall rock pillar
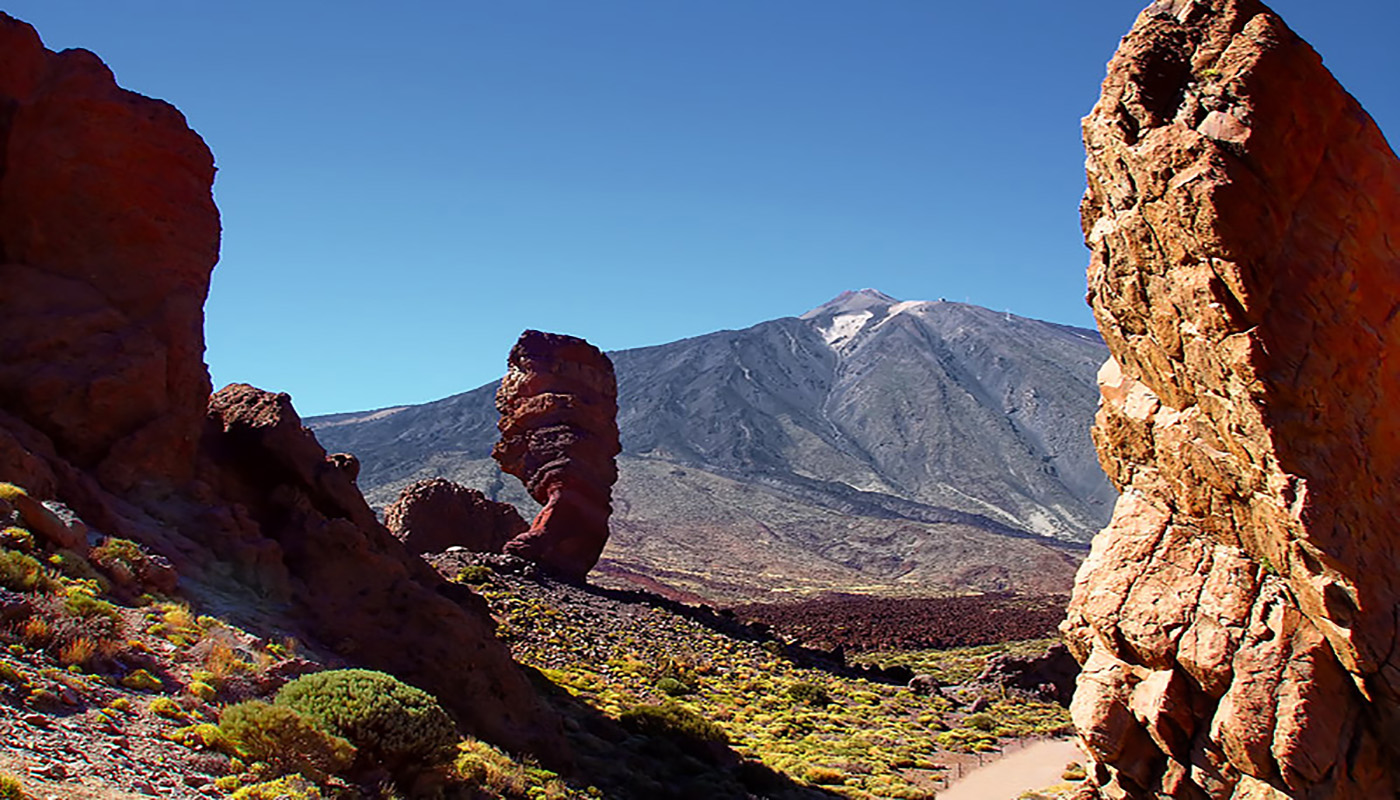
x: 1238, y: 619
x: 558, y: 405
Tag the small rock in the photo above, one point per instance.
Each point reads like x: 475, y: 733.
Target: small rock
x: 143, y: 787
x: 925, y: 685
x: 37, y: 720
x: 196, y: 780
x: 53, y: 772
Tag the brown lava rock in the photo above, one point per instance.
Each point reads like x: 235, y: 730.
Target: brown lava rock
x: 558, y: 405
x: 435, y: 514
x: 1237, y: 619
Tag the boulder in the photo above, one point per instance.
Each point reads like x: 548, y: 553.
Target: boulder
x: 47, y: 524
x: 1050, y: 675
x: 434, y: 514
x: 1236, y: 619
x: 558, y: 404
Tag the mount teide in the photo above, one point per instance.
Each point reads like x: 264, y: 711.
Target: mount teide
x: 869, y: 445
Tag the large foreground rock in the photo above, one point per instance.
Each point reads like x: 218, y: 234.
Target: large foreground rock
x: 558, y: 404
x: 108, y: 234
x: 1237, y: 620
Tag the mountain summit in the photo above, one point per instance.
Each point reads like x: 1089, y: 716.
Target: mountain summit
x: 849, y: 302
x: 869, y: 442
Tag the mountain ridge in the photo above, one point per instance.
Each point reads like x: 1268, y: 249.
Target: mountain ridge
x: 946, y: 416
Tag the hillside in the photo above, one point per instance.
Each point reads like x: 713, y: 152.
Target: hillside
x: 869, y: 444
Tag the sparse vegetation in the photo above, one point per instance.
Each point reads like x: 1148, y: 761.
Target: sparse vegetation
x: 21, y: 572
x: 10, y: 787
x: 290, y: 787
x: 672, y: 720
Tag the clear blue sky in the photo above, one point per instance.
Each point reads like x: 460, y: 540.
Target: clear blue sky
x: 405, y: 187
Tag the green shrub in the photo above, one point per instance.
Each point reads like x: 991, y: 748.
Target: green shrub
x: 981, y: 722
x: 391, y: 723
x: 81, y: 603
x: 22, y: 573
x: 17, y: 539
x: 809, y: 693
x: 11, y: 675
x: 673, y: 687
x: 291, y: 787
x: 10, y: 786
x: 165, y: 707
x: 142, y: 680
x: 124, y: 561
x: 475, y: 574
x: 283, y: 738
x: 114, y: 551
x: 673, y: 720
x: 75, y: 566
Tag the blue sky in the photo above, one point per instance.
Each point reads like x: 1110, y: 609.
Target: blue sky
x: 405, y: 187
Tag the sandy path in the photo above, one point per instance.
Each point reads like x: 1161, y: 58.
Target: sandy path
x: 1036, y: 766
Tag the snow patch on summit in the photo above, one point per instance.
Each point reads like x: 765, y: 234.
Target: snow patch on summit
x: 845, y: 327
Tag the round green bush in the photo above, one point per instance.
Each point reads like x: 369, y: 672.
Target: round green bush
x: 391, y: 723
x: 980, y: 721
x: 809, y: 693
x: 283, y: 738
x: 673, y: 687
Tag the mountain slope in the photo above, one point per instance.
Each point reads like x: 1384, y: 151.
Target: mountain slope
x: 869, y: 443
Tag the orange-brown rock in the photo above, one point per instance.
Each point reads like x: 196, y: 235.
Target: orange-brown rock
x: 434, y: 514
x: 1237, y: 620
x: 558, y: 404
x: 108, y: 234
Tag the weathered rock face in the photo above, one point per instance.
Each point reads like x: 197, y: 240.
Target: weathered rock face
x: 435, y: 514
x: 558, y: 404
x: 1237, y: 619
x: 371, y: 602
x: 108, y: 234
x: 97, y: 186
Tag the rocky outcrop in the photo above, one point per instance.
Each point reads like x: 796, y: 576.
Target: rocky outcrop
x: 1237, y: 619
x: 108, y: 234
x: 1049, y: 675
x: 435, y: 514
x: 558, y: 405
x: 99, y: 185
x: 346, y: 574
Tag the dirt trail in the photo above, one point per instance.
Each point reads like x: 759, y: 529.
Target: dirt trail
x: 1036, y: 766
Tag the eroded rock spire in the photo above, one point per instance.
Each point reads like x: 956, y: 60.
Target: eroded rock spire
x: 558, y: 405
x: 1237, y: 619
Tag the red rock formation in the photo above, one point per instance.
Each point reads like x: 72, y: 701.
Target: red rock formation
x: 1237, y: 619
x: 435, y: 514
x: 100, y: 185
x: 108, y: 234
x: 354, y: 582
x: 558, y: 405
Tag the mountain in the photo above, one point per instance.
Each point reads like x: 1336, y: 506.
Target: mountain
x: 868, y: 444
